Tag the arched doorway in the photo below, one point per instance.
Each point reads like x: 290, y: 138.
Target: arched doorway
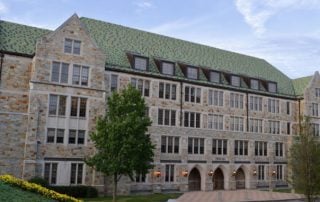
x: 240, y: 179
x: 218, y: 180
x: 194, y: 180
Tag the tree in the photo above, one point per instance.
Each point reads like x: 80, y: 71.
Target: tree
x: 305, y: 161
x: 122, y: 145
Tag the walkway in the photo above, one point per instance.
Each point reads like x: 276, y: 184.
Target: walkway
x: 238, y: 195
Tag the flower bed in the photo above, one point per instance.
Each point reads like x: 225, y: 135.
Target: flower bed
x: 37, y: 189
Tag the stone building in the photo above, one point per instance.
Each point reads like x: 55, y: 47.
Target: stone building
x: 221, y: 120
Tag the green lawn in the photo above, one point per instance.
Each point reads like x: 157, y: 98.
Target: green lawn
x: 14, y: 194
x: 138, y: 198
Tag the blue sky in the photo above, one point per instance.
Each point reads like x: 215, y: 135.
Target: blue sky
x: 286, y: 33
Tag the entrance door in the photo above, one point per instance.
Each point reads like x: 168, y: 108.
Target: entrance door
x: 240, y: 179
x: 218, y: 180
x: 194, y: 180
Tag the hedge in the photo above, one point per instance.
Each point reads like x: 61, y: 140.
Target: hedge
x: 32, y: 187
x: 77, y: 191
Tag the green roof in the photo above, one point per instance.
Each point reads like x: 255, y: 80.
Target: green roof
x: 300, y: 84
x: 19, y: 38
x: 116, y: 41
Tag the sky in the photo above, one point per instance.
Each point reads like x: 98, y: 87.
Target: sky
x: 286, y: 33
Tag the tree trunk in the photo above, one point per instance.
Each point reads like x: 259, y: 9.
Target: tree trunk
x: 115, y: 182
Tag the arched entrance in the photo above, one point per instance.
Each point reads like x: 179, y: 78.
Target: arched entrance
x: 194, y: 180
x: 218, y: 180
x: 240, y: 179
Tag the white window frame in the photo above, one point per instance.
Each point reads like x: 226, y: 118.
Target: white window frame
x: 215, y: 97
x: 175, y: 139
x: 72, y: 46
x: 216, y: 121
x: 237, y: 123
x: 236, y: 100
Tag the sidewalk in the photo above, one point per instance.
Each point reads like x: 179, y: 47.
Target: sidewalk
x: 239, y: 195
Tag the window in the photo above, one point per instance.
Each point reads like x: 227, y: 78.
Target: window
x: 192, y: 73
x: 140, y: 177
x: 114, y: 82
x: 57, y: 105
x: 273, y: 106
x: 167, y: 68
x: 59, y: 72
x: 195, y: 145
x: 254, y: 84
x: 169, y: 175
x: 170, y: 144
x: 288, y: 108
x: 76, y: 173
x: 261, y: 172
x: 192, y: 119
x: 72, y: 46
x: 55, y: 135
x: 315, y: 111
x: 255, y: 125
x: 76, y: 136
x: 274, y: 127
x: 240, y: 147
x: 317, y: 92
x: 167, y: 91
x: 215, y: 121
x: 235, y: 80
x: 236, y: 100
x: 279, y: 149
x: 272, y: 87
x: 192, y: 94
x: 50, y: 172
x: 80, y: 75
x: 140, y: 63
x: 78, y: 107
x: 215, y: 97
x: 260, y: 148
x: 215, y: 77
x: 279, y: 172
x: 219, y: 147
x: 315, y: 129
x: 288, y: 128
x: 166, y: 117
x: 255, y: 103
x: 236, y: 123
x: 142, y: 85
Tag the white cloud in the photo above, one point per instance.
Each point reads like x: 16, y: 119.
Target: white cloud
x: 257, y: 12
x: 143, y: 5
x: 3, y: 8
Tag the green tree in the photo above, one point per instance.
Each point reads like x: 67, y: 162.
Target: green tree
x: 122, y: 145
x: 305, y: 161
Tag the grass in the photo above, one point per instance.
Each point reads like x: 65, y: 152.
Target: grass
x: 138, y: 198
x: 15, y: 194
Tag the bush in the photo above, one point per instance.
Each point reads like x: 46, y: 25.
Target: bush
x: 39, y: 181
x: 32, y: 187
x: 77, y: 191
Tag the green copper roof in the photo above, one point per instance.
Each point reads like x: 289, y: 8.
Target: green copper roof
x: 19, y: 38
x: 300, y: 84
x: 116, y: 40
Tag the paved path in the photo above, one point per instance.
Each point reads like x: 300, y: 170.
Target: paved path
x: 238, y: 195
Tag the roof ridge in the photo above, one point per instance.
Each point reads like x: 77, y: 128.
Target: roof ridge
x: 20, y: 24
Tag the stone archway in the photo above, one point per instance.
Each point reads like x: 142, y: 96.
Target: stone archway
x: 218, y: 180
x: 194, y: 180
x: 240, y: 179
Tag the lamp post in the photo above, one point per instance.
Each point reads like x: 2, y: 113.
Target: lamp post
x: 272, y: 174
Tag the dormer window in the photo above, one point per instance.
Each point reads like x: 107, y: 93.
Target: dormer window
x: 72, y: 46
x: 254, y: 84
x: 192, y: 73
x: 214, y: 77
x: 235, y: 80
x: 140, y: 63
x: 167, y: 68
x: 272, y: 87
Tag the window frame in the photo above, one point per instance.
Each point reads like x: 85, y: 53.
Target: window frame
x: 210, y: 76
x: 235, y: 76
x: 258, y: 84
x: 72, y: 52
x: 276, y: 86
x: 173, y: 67
x: 192, y: 67
x: 141, y: 57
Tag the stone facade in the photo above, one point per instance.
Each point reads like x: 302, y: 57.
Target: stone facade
x: 27, y: 87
